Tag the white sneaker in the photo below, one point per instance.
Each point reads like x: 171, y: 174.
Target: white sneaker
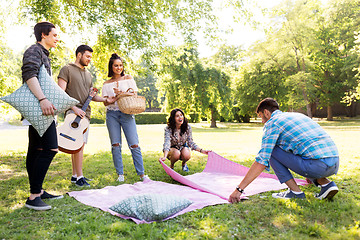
x: 144, y: 177
x: 121, y: 178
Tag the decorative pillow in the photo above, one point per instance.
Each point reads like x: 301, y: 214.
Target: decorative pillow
x: 28, y: 105
x: 151, y: 207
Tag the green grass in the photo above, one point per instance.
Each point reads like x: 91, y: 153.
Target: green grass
x: 260, y: 217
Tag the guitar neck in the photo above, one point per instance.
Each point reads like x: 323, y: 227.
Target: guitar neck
x: 88, y: 100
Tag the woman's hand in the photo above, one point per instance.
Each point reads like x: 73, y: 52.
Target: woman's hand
x: 162, y: 159
x: 111, y: 100
x: 118, y: 92
x: 205, y: 151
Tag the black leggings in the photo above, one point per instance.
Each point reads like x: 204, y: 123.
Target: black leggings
x: 40, y: 155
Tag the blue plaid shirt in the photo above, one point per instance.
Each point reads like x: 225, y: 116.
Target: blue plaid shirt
x: 296, y: 133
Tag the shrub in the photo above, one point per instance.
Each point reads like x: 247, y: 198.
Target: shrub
x: 194, y: 118
x: 97, y: 121
x: 238, y: 117
x: 151, y: 118
x: 98, y: 113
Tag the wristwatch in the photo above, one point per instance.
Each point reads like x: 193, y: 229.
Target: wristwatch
x: 240, y: 190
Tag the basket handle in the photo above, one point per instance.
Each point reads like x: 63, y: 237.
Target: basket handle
x: 130, y: 90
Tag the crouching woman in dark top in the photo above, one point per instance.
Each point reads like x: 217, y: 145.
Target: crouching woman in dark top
x: 178, y: 140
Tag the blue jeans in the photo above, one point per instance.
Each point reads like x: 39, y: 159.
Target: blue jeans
x: 115, y: 120
x: 281, y: 161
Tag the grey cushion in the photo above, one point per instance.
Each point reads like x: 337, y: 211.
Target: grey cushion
x: 28, y: 105
x: 151, y: 207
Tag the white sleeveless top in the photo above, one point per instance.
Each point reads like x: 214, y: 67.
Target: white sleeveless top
x: 123, y: 85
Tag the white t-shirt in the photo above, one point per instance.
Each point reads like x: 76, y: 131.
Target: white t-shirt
x: 122, y: 85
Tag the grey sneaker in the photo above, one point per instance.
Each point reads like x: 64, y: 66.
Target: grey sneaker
x: 82, y: 183
x: 73, y: 179
x: 328, y: 192
x: 288, y: 195
x: 37, y: 204
x: 47, y: 195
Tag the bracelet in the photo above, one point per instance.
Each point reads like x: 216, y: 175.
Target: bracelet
x: 42, y: 99
x: 240, y: 190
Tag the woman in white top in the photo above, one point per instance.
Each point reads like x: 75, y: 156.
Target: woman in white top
x: 117, y: 85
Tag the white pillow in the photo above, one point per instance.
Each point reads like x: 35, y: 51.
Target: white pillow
x: 151, y: 207
x: 28, y: 105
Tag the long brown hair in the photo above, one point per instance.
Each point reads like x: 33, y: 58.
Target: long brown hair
x: 114, y: 57
x: 172, y: 124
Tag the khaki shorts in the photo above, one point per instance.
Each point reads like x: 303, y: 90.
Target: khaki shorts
x: 86, y: 135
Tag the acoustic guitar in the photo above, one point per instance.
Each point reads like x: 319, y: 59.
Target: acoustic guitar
x: 70, y: 134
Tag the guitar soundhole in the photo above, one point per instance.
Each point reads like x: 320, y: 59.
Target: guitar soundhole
x: 74, y: 124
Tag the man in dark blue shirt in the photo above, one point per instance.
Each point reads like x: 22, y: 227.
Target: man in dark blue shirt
x: 41, y: 150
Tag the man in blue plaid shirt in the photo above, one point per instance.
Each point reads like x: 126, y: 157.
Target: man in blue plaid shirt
x: 293, y: 141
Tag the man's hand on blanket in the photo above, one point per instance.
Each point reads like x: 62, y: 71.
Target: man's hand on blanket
x: 235, y: 197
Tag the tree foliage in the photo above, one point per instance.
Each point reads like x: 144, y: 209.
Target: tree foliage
x: 10, y: 74
x: 309, y: 57
x: 146, y: 82
x: 125, y: 25
x: 187, y: 84
x: 331, y: 51
x: 312, y: 47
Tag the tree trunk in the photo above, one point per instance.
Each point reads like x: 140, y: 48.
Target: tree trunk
x: 308, y: 105
x: 149, y: 103
x: 352, y: 109
x: 329, y: 113
x: 313, y: 108
x: 213, y: 118
x: 308, y: 110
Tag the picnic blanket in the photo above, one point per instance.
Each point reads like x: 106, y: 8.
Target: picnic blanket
x: 106, y: 197
x: 210, y: 187
x: 221, y: 176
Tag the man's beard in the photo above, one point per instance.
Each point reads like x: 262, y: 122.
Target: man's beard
x: 83, y: 63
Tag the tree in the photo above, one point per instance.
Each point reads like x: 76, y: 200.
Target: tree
x: 260, y: 78
x: 331, y: 52
x: 146, y: 83
x: 311, y: 46
x: 189, y: 85
x: 353, y: 95
x: 10, y: 72
x: 124, y: 25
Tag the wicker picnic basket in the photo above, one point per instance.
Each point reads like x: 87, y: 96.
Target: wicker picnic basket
x: 131, y: 104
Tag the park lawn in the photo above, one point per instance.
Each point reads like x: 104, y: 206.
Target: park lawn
x: 260, y: 217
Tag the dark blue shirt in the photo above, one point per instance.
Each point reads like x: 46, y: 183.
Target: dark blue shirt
x: 35, y: 56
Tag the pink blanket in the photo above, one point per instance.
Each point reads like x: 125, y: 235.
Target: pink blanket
x: 106, y: 197
x: 221, y: 176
